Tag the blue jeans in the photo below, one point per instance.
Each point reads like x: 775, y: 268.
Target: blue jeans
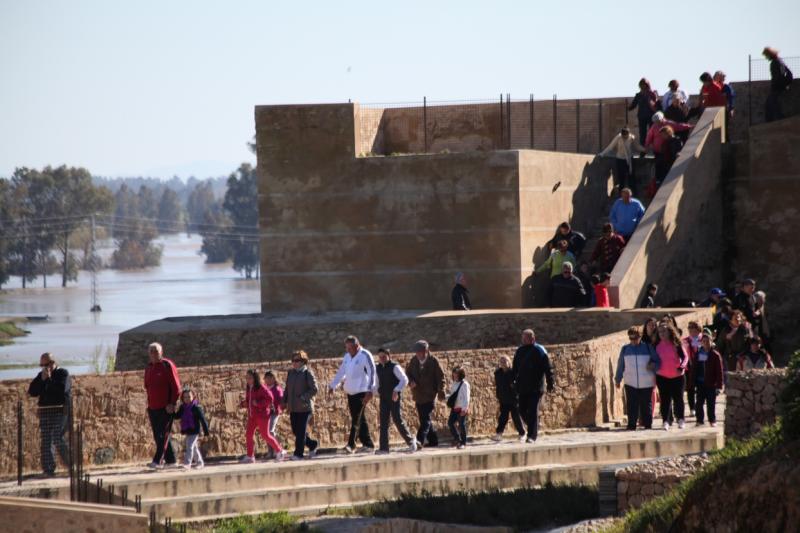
x: 458, y: 426
x: 426, y: 430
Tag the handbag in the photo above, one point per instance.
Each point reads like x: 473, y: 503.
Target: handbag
x: 451, y: 400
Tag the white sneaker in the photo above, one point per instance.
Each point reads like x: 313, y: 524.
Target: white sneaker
x: 295, y: 458
x: 712, y: 424
x: 530, y: 440
x: 413, y: 446
x: 497, y: 438
x: 681, y: 423
x: 348, y: 450
x: 200, y: 465
x: 247, y: 459
x: 280, y: 456
x: 186, y: 466
x: 366, y: 449
x: 153, y: 466
x: 313, y: 453
x: 522, y: 438
x: 461, y: 446
x: 666, y: 426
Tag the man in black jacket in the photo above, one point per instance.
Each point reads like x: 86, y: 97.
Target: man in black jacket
x: 460, y: 294
x: 575, y: 239
x: 567, y: 290
x: 531, y: 369
x: 52, y: 386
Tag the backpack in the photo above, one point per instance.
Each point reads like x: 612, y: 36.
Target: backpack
x: 786, y: 75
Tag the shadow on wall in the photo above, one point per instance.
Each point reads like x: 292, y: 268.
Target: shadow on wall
x: 591, y: 202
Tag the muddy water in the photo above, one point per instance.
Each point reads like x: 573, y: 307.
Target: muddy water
x: 183, y: 285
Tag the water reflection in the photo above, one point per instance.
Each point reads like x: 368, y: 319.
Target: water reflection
x: 183, y: 285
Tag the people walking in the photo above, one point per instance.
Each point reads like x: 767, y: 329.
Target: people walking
x: 646, y: 104
x: 53, y: 388
x: 670, y: 367
x: 426, y: 381
x: 192, y: 420
x: 258, y: 402
x: 458, y: 402
x: 391, y: 382
x: 298, y: 401
x: 705, y: 372
x: 356, y: 374
x: 636, y: 365
x: 163, y: 386
x: 507, y: 399
x: 531, y: 367
x: 780, y: 81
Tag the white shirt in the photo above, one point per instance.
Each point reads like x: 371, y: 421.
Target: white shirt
x: 399, y: 374
x: 356, y: 373
x: 621, y: 148
x: 669, y: 95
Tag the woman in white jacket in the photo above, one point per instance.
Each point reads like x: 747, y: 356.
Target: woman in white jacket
x: 458, y: 402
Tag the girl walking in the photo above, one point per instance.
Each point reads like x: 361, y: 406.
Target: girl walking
x: 458, y: 402
x: 670, y: 367
x: 258, y: 402
x: 192, y: 419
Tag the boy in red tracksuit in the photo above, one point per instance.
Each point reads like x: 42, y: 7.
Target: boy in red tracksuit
x: 258, y: 402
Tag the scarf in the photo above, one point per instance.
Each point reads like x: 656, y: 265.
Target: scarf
x: 187, y: 416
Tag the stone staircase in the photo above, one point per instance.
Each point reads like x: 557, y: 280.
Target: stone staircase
x: 310, y: 487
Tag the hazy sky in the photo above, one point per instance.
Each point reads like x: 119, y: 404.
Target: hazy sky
x: 168, y: 87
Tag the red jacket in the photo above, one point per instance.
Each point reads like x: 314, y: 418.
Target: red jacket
x: 601, y: 296
x: 258, y: 401
x: 162, y: 384
x: 712, y: 378
x: 713, y: 96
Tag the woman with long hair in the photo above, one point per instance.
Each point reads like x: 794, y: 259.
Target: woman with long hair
x: 670, y: 368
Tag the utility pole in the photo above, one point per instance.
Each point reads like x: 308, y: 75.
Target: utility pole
x: 93, y: 265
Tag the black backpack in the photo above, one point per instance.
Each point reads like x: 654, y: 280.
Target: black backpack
x: 788, y: 77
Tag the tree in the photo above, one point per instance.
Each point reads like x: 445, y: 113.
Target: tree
x: 6, y: 231
x: 241, y: 205
x: 170, y: 212
x: 201, y: 201
x: 217, y: 248
x: 133, y: 231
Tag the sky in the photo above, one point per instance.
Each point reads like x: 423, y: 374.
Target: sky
x: 163, y: 88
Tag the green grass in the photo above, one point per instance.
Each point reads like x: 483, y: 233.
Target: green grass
x: 521, y: 509
x: 280, y: 522
x: 9, y: 330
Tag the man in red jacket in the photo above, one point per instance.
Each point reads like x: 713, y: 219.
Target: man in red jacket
x: 163, y: 388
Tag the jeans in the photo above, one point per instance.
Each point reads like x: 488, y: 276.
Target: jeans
x: 52, y: 425
x: 192, y: 450
x: 299, y: 423
x: 513, y: 410
x: 458, y: 426
x: 426, y: 430
x: 273, y: 421
x: 161, y: 422
x: 772, y: 107
x: 671, y: 392
x: 262, y: 424
x: 623, y: 176
x: 529, y: 407
x: 391, y: 410
x: 639, y: 403
x: 707, y: 396
x: 358, y: 421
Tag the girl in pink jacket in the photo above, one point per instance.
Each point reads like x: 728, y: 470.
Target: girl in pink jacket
x: 259, y: 403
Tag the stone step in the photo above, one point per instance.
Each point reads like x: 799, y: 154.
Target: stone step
x: 319, y: 496
x: 228, y: 477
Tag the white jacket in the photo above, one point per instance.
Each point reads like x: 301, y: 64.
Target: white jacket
x: 623, y: 149
x: 462, y: 400
x: 357, y: 373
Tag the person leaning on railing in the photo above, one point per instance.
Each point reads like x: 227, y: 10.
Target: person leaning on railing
x: 52, y: 386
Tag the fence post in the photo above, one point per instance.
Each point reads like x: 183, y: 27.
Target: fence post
x: 19, y: 442
x: 577, y: 125
x: 531, y: 119
x: 425, y: 122
x: 600, y: 125
x: 555, y: 123
x: 508, y: 120
x: 502, y: 124
x: 749, y: 90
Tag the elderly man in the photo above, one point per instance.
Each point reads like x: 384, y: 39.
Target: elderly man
x: 531, y: 367
x: 52, y: 386
x: 357, y: 376
x: 626, y: 213
x: 163, y: 388
x: 567, y: 290
x: 426, y: 381
x: 460, y: 294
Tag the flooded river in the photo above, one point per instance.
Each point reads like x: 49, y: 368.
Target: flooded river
x: 183, y: 285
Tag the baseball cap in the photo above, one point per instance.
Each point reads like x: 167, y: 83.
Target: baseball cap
x: 716, y: 291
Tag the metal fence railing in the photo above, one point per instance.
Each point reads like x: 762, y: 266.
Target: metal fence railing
x: 430, y: 127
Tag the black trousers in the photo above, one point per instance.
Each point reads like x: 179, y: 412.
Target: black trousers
x: 299, y: 422
x: 52, y: 425
x: 772, y: 107
x: 426, y: 430
x: 706, y: 396
x: 529, y: 408
x: 690, y: 392
x: 391, y: 410
x: 639, y: 403
x: 671, y: 392
x: 358, y: 421
x: 513, y: 410
x: 458, y: 427
x: 623, y: 175
x: 161, y: 422
x: 644, y: 125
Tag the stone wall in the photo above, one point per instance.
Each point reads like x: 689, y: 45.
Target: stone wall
x: 196, y: 341
x: 24, y: 515
x: 751, y: 401
x: 112, y: 407
x: 639, y: 483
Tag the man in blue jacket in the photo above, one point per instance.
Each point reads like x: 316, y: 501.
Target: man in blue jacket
x: 637, y: 365
x: 626, y: 213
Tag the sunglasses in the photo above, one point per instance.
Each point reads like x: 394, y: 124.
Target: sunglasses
x: 297, y: 360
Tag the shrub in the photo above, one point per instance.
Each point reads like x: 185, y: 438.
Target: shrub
x: 789, y: 400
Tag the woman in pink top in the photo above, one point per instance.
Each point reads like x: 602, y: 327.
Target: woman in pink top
x: 670, y: 368
x: 258, y: 402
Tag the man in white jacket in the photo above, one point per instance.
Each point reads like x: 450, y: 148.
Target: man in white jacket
x: 356, y: 374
